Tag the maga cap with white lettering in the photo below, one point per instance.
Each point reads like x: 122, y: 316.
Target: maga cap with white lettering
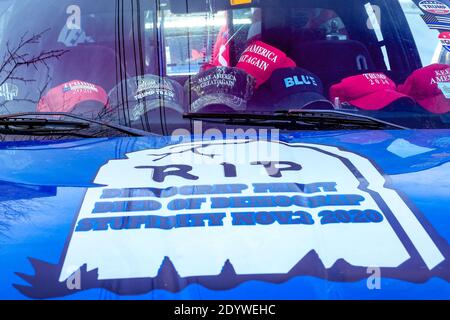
x: 75, y: 96
x: 368, y: 91
x: 260, y: 60
x: 145, y: 93
x: 219, y: 87
x: 430, y: 87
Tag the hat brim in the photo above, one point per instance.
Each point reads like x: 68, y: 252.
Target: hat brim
x: 437, y: 104
x: 88, y: 107
x: 218, y: 99
x: 305, y: 101
x: 68, y: 105
x: 138, y: 110
x: 379, y: 100
x: 157, y: 104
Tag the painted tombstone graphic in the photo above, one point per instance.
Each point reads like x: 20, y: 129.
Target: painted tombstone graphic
x: 260, y: 215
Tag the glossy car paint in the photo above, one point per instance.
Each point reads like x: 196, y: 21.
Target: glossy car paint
x: 43, y: 184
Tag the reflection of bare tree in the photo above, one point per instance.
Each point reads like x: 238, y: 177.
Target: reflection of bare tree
x: 18, y: 57
x: 23, y: 64
x: 10, y: 212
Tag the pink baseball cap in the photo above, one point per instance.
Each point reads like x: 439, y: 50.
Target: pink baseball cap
x: 68, y: 96
x: 430, y: 87
x: 368, y: 91
x: 260, y: 60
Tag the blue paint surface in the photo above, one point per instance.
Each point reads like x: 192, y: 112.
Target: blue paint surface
x: 42, y: 185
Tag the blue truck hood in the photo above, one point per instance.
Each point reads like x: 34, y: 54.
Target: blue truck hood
x: 331, y: 215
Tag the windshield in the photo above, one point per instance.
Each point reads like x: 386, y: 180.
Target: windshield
x: 148, y: 64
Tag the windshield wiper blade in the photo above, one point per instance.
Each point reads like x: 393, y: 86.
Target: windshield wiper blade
x: 39, y: 127
x: 30, y: 123
x: 19, y: 116
x: 298, y: 119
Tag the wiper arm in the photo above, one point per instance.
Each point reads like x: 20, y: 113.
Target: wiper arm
x: 342, y: 117
x: 65, y: 127
x: 298, y: 119
x: 30, y: 126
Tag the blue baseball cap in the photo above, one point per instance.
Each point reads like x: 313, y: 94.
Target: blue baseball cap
x: 295, y: 88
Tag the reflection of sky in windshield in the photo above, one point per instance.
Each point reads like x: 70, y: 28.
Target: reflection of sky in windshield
x: 426, y: 39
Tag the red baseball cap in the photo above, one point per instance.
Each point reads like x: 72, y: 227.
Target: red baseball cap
x: 368, y: 91
x: 288, y: 63
x: 430, y: 87
x: 66, y: 97
x: 260, y: 60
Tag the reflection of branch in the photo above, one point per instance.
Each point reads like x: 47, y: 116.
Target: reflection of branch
x: 14, y: 57
x: 10, y: 213
x: 21, y: 79
x: 17, y: 57
x: 194, y: 150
